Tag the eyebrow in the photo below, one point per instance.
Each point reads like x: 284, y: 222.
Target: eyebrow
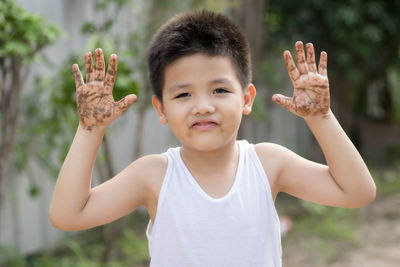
x: 178, y: 86
x: 221, y: 80
x: 185, y: 85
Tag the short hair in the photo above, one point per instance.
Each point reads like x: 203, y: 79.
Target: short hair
x: 197, y: 32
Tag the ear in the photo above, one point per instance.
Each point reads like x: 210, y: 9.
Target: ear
x: 248, y: 97
x: 158, y: 106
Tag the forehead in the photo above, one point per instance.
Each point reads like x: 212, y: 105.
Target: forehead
x: 199, y: 69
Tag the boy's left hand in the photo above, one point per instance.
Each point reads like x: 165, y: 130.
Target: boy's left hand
x: 311, y: 85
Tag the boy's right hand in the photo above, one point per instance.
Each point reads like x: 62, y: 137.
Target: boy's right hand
x: 95, y: 102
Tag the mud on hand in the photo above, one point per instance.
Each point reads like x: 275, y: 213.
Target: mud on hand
x: 95, y: 102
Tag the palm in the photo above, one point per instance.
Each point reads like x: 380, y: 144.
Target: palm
x: 95, y: 106
x: 95, y: 103
x: 311, y: 86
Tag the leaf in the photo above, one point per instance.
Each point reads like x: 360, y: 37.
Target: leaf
x: 372, y: 33
x: 23, y: 33
x: 107, y: 24
x: 101, y: 5
x: 88, y: 28
x: 34, y: 190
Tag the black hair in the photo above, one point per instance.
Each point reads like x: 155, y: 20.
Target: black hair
x: 197, y: 32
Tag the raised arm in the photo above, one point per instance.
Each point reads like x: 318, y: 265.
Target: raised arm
x: 345, y: 181
x: 72, y: 206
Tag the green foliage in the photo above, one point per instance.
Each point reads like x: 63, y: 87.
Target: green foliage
x: 86, y: 248
x: 10, y: 257
x: 323, y: 233
x: 394, y: 83
x: 133, y: 247
x: 104, y: 4
x: 22, y: 36
x: 323, y: 222
x: 23, y: 33
x: 361, y: 38
x: 329, y: 222
x: 49, y: 112
x: 388, y: 182
x: 216, y: 6
x: 52, y: 116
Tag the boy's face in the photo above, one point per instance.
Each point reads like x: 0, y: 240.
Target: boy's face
x: 203, y: 101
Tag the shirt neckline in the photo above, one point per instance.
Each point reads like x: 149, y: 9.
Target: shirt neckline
x: 200, y: 190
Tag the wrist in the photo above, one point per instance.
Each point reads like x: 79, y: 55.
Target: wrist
x: 91, y: 130
x: 320, y: 117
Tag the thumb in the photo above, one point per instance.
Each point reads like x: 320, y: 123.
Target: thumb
x: 284, y: 101
x: 124, y: 103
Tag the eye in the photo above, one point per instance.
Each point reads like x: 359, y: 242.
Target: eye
x: 220, y: 91
x: 182, y: 95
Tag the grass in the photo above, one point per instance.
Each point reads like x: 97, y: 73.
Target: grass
x: 321, y: 233
x: 387, y: 181
x: 324, y: 233
x: 85, y: 249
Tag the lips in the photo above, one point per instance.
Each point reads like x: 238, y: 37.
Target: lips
x: 204, y: 125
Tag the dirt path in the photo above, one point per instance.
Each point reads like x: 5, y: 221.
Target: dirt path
x: 378, y: 242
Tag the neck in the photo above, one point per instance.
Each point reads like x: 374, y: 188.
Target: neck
x: 210, y: 160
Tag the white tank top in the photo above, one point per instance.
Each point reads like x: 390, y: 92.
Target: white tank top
x: 194, y: 229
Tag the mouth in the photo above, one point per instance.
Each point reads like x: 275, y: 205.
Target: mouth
x: 204, y: 125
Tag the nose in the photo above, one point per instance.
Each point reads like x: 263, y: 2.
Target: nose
x: 202, y: 105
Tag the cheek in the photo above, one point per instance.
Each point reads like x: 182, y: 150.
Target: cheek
x: 234, y: 114
x: 234, y: 107
x: 176, y: 117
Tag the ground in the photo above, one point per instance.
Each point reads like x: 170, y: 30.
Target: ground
x: 375, y: 243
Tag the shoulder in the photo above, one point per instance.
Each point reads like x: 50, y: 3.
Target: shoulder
x: 150, y: 167
x: 272, y: 153
x: 268, y: 148
x: 150, y: 171
x: 154, y: 163
x: 272, y: 157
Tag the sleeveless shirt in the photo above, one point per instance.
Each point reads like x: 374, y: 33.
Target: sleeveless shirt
x: 192, y: 228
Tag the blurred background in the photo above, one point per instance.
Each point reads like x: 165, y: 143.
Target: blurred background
x: 41, y: 39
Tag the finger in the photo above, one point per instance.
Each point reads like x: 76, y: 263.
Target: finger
x: 284, y: 101
x: 311, y: 58
x: 301, y: 58
x: 111, y: 73
x: 89, y: 67
x: 323, y: 63
x: 124, y: 103
x: 290, y: 66
x: 77, y: 76
x: 99, y: 73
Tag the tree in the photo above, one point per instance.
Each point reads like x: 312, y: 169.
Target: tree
x: 362, y: 41
x: 22, y: 37
x: 57, y: 123
x: 249, y: 15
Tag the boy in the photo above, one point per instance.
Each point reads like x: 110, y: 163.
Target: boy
x: 210, y: 201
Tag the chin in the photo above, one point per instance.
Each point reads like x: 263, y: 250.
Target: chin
x: 208, y: 144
